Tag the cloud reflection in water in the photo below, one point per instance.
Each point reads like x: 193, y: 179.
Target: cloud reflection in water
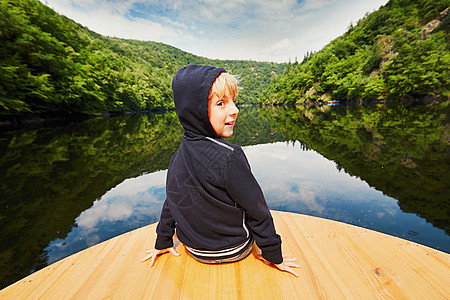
x: 134, y: 203
x: 288, y: 174
x: 305, y: 182
x: 292, y: 179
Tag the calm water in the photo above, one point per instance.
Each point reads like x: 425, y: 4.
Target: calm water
x: 67, y: 188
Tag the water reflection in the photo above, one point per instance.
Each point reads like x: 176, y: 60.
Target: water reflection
x: 63, y: 189
x: 134, y: 203
x: 293, y: 179
x: 303, y: 181
x: 50, y: 175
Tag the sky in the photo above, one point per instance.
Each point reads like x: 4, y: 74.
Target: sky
x: 260, y: 30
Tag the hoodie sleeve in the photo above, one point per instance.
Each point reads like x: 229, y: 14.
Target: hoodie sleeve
x: 246, y: 192
x: 165, y: 229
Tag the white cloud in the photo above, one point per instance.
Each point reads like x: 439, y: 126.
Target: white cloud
x: 282, y: 46
x: 272, y: 165
x: 112, y: 19
x: 124, y: 200
x: 104, y: 211
x: 133, y: 186
x: 316, y: 4
x: 235, y: 29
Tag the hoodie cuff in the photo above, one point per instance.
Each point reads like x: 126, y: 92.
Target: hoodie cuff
x: 163, y: 242
x: 274, y: 256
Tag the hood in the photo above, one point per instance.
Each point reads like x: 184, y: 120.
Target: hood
x: 191, y: 86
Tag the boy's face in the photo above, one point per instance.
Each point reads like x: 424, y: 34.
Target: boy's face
x: 223, y: 113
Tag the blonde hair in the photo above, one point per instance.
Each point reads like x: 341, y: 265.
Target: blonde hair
x: 224, y: 80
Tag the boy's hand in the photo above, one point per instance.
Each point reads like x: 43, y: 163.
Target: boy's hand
x: 286, y: 266
x: 154, y: 253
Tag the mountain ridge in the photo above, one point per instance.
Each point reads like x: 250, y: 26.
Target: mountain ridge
x: 399, y: 51
x: 49, y: 63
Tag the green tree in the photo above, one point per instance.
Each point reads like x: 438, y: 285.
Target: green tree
x: 390, y: 53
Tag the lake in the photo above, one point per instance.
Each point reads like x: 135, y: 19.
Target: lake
x: 67, y: 187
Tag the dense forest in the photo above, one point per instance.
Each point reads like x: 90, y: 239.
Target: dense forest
x: 50, y: 63
x: 399, y: 51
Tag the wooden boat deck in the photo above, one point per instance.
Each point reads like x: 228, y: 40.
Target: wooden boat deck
x: 338, y: 261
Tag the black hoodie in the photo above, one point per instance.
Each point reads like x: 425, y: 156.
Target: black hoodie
x: 212, y: 198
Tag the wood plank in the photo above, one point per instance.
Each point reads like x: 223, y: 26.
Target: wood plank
x: 338, y: 261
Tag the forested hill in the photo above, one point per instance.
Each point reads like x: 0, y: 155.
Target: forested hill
x: 50, y: 63
x: 399, y: 51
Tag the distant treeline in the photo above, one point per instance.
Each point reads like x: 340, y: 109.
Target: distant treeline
x: 399, y: 51
x: 50, y: 63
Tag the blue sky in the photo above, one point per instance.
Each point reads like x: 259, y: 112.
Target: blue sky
x: 262, y: 30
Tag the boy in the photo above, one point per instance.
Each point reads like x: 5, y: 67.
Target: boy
x: 213, y: 200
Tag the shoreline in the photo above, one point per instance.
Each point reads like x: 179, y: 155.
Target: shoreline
x: 37, y: 120
x: 404, y: 101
